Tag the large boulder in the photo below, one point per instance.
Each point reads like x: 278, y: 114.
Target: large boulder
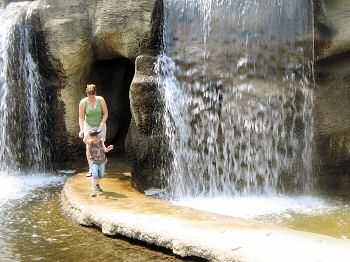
x: 144, y: 140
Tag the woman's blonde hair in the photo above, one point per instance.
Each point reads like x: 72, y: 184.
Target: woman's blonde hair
x: 90, y: 89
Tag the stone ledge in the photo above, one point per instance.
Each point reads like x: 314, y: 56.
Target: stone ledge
x: 187, y: 232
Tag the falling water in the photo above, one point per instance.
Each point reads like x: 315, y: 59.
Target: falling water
x: 236, y: 77
x: 23, y: 107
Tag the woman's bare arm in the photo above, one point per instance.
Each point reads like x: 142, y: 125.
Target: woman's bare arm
x: 81, y: 117
x: 87, y: 140
x: 104, y: 110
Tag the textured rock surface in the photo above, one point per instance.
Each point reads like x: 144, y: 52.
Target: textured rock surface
x: 79, y: 38
x: 144, y: 94
x: 332, y: 104
x: 122, y: 210
x: 332, y: 27
x: 332, y: 118
x: 143, y: 142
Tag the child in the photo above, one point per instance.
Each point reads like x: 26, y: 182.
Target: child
x: 97, y: 150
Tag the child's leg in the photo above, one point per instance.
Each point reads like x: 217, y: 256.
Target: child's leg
x: 101, y: 171
x: 95, y: 177
x: 94, y: 182
x: 100, y: 168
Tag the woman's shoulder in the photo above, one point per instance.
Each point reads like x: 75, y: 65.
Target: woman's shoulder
x: 84, y: 100
x: 100, y: 98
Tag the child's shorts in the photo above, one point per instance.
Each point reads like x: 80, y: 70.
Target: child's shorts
x: 98, y: 170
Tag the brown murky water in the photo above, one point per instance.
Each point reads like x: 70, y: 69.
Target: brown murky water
x: 33, y: 228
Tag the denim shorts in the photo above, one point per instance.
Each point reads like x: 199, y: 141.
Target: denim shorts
x: 98, y: 170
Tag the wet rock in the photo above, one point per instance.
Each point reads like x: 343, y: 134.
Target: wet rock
x: 332, y: 115
x: 331, y: 27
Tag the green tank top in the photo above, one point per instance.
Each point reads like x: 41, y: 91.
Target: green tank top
x: 93, y: 116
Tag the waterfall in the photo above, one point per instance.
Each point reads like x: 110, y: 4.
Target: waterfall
x: 23, y: 107
x: 236, y: 82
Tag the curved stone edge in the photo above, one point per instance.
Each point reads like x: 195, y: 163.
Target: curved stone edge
x: 121, y: 225
x: 74, y: 212
x: 178, y: 247
x: 211, y: 237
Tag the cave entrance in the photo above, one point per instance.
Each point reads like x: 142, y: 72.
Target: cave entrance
x: 113, y: 78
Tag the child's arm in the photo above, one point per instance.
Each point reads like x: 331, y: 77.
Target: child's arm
x: 108, y: 148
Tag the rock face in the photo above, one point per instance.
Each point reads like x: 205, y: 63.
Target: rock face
x: 332, y: 30
x: 96, y: 41
x: 144, y: 140
x: 93, y: 41
x: 332, y: 72
x: 84, y: 41
x: 332, y: 114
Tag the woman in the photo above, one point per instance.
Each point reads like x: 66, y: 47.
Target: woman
x: 93, y: 113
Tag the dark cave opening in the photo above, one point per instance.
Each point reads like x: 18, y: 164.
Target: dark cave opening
x: 113, y: 78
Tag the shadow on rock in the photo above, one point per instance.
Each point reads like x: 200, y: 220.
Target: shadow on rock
x: 113, y: 195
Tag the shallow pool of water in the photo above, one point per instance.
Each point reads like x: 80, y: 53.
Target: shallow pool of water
x: 33, y: 227
x: 329, y: 216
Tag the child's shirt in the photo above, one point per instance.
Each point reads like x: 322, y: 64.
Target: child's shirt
x: 97, y: 154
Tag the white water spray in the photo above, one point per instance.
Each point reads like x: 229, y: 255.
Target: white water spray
x: 23, y: 108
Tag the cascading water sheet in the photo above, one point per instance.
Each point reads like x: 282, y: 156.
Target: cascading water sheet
x: 235, y: 78
x: 23, y: 106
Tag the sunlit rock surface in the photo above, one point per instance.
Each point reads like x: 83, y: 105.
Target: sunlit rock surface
x: 122, y: 210
x: 80, y: 42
